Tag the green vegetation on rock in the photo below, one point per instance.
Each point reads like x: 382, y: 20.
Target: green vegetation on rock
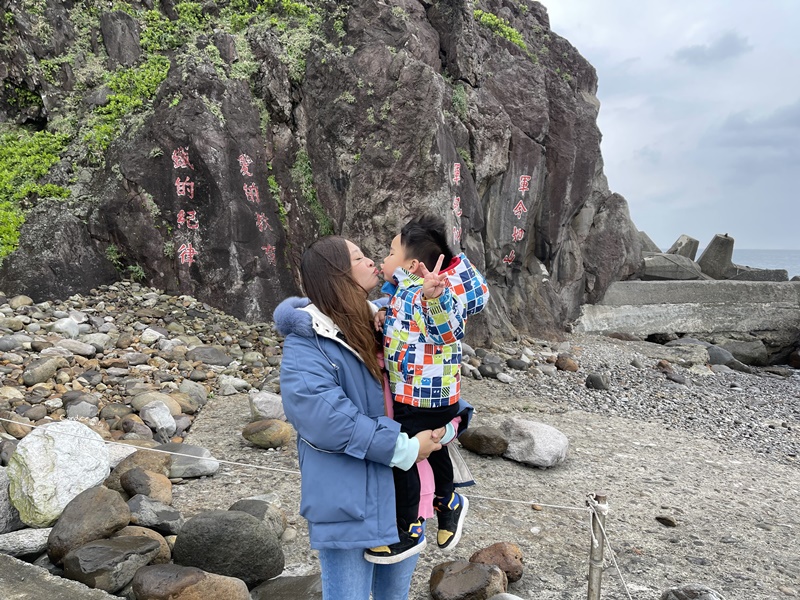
x: 24, y: 159
x: 131, y: 87
x: 500, y: 27
x: 303, y: 177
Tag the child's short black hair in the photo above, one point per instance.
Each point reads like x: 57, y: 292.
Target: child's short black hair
x: 425, y: 238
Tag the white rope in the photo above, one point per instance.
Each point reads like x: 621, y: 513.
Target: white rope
x: 224, y: 462
x: 581, y: 509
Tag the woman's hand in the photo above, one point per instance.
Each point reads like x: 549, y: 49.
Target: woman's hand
x: 433, y: 284
x: 380, y: 318
x: 438, y: 434
x: 426, y: 444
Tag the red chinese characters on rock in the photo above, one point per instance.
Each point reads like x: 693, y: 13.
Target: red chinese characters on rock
x: 184, y: 188
x: 519, y: 209
x: 517, y: 234
x: 456, y: 234
x: 456, y: 173
x: 187, y: 253
x: 180, y: 158
x: 457, y: 206
x: 262, y: 222
x: 244, y: 165
x: 524, y: 183
x: 189, y: 218
x: 269, y: 250
x: 251, y: 193
x: 509, y: 258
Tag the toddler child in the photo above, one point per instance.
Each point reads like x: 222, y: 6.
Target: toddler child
x: 423, y: 328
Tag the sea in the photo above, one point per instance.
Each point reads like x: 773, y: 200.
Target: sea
x: 766, y: 259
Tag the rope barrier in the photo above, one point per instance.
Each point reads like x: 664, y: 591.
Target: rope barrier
x: 593, y: 506
x: 224, y: 462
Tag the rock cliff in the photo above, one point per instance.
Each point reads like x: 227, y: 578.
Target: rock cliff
x: 209, y: 143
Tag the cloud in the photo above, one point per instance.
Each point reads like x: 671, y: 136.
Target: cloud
x: 757, y: 146
x: 727, y: 46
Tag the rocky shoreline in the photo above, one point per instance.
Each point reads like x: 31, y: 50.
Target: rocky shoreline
x: 711, y: 451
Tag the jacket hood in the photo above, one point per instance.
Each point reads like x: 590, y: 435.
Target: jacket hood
x: 289, y: 318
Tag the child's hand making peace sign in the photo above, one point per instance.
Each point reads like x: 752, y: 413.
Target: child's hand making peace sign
x: 433, y: 284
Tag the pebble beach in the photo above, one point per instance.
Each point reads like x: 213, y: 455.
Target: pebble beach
x: 711, y: 452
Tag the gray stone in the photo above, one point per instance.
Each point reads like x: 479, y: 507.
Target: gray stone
x: 749, y: 352
x: 42, y: 370
x: 190, y: 461
x: 157, y: 416
x: 534, y: 444
x: 196, y: 390
x: 9, y: 515
x: 51, y: 466
x: 147, y: 512
x: 484, y: 440
x: 209, y: 355
x: 693, y: 591
x: 24, y: 542
x: 100, y: 341
x: 174, y: 581
x: 230, y: 543
x: 66, y: 327
x: 110, y: 564
x: 460, y: 579
x: 120, y: 37
x: 265, y: 405
x: 307, y: 587
x: 597, y: 381
x: 79, y: 348
x: 266, y: 512
x: 238, y: 384
x: 93, y: 514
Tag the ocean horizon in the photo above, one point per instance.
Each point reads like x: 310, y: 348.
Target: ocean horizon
x: 765, y: 259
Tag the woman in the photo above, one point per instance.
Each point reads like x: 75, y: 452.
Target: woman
x: 331, y: 384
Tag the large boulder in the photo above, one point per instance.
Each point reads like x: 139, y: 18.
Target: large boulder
x: 93, y: 514
x: 534, y: 444
x: 230, y: 543
x: 51, y: 466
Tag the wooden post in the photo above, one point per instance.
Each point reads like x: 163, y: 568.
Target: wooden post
x: 598, y: 500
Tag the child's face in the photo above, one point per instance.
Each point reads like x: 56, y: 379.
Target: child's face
x: 397, y: 258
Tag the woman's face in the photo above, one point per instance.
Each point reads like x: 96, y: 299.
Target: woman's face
x: 362, y: 268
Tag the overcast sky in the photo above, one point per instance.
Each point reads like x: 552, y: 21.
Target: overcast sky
x: 700, y: 112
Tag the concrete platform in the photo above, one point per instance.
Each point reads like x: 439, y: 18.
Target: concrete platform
x: 645, y: 307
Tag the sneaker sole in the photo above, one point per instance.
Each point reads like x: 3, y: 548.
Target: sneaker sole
x: 390, y: 560
x: 453, y: 541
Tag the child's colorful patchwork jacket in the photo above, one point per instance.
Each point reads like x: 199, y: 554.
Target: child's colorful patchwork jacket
x: 422, y: 337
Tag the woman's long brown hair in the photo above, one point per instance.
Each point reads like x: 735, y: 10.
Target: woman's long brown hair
x: 328, y: 283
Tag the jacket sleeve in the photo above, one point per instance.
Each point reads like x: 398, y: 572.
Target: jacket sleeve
x: 322, y: 413
x: 441, y: 320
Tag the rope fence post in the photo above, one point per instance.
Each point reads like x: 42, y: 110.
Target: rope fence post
x: 598, y: 503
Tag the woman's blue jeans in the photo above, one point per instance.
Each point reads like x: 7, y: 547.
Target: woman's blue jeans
x: 346, y: 575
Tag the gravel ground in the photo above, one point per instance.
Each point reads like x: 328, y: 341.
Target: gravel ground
x: 718, y: 456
